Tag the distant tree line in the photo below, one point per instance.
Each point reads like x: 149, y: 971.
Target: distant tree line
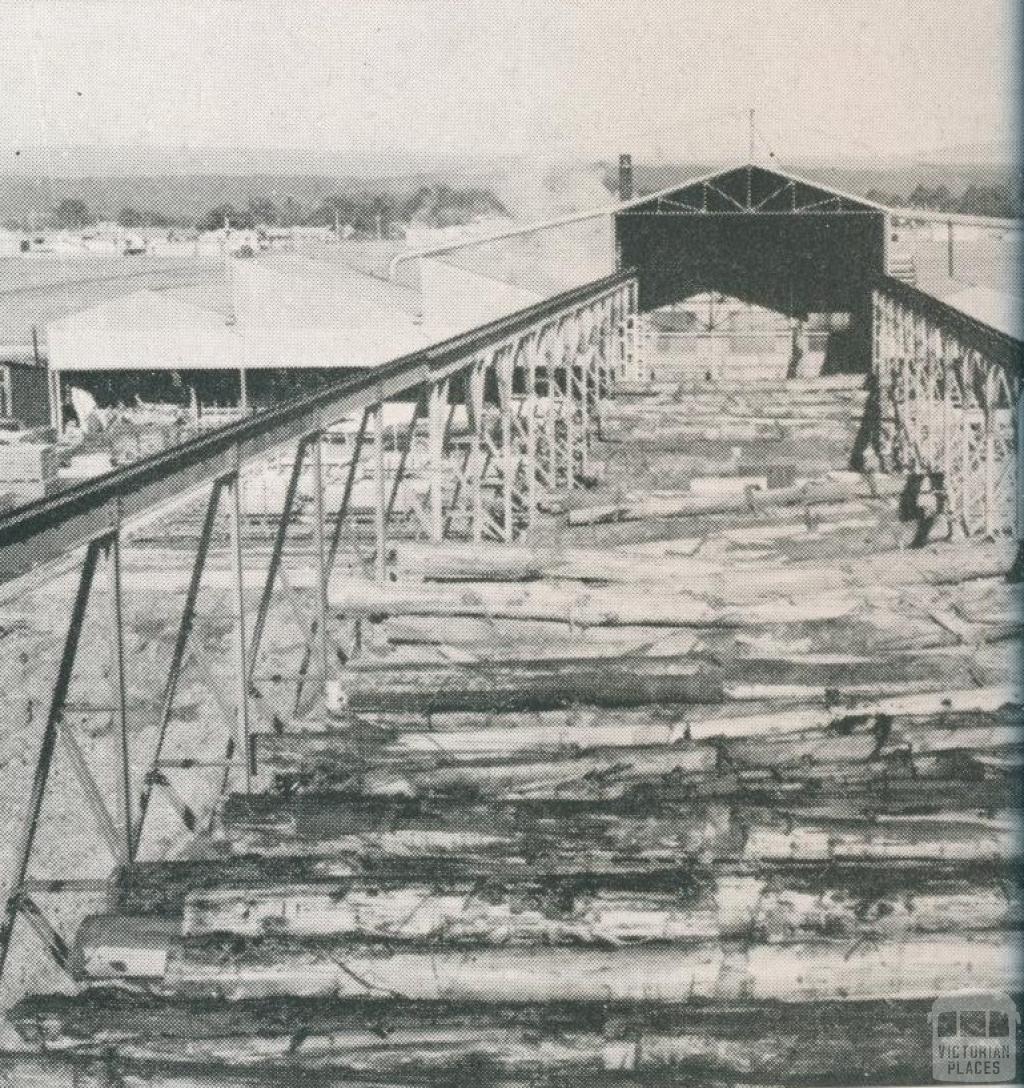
x: 365, y: 213
x: 1002, y: 201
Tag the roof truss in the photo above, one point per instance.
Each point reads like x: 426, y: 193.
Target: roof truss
x: 751, y: 190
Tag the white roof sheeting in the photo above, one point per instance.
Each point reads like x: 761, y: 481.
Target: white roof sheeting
x: 295, y: 313
x: 997, y: 309
x: 143, y: 331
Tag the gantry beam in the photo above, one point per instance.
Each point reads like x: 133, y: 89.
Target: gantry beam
x: 58, y: 524
x: 949, y: 406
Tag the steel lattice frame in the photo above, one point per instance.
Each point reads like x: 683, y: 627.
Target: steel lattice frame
x: 950, y: 405
x: 531, y: 385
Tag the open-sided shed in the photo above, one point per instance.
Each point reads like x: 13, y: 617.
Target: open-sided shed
x: 759, y: 235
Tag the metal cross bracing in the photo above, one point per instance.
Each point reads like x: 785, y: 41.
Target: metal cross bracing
x: 497, y: 421
x: 950, y: 406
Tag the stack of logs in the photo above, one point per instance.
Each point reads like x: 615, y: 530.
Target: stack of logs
x: 730, y: 805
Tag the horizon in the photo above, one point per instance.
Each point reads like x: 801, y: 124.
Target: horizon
x: 61, y: 163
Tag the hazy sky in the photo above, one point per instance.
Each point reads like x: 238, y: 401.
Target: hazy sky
x: 585, y: 76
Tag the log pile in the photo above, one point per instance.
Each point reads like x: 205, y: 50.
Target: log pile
x: 730, y: 805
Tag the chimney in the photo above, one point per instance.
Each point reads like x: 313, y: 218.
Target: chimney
x: 625, y: 177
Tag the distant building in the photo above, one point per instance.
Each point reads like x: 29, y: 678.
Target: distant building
x: 287, y: 319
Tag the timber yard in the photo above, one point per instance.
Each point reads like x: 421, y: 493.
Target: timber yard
x: 607, y: 672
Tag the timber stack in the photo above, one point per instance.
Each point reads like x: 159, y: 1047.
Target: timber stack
x: 717, y: 780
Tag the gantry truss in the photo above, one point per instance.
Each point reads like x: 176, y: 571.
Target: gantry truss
x: 949, y: 406
x: 502, y: 420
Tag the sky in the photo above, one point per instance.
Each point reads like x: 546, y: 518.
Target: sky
x: 374, y: 78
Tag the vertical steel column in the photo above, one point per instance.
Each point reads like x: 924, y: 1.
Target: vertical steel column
x: 637, y: 331
x: 403, y: 455
x: 178, y: 653
x: 241, y: 648
x: 436, y: 441
x: 335, y: 545
x: 350, y: 481
x: 531, y: 434
x: 946, y: 369
x: 276, y: 554
x: 380, y: 508
x: 966, y: 411
x: 625, y: 367
x: 505, y: 373
x: 928, y: 364
x: 121, y: 687
x: 320, y: 551
x: 1018, y: 438
x: 56, y: 403
x: 877, y: 372
x: 477, y: 379
x: 990, y: 450
x: 551, y: 421
x: 30, y: 825
x: 584, y: 394
x: 569, y: 353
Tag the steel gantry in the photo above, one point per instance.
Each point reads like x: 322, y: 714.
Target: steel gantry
x: 950, y: 406
x: 501, y: 421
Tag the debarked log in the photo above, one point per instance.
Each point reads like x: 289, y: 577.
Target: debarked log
x: 535, y: 914
x: 687, y: 504
x: 901, y: 969
x: 458, y: 562
x: 445, y: 1043
x: 779, y: 739
x: 162, y: 887
x: 491, y: 687
x: 503, y: 686
x: 634, y: 835
x: 600, y: 608
x: 584, y: 728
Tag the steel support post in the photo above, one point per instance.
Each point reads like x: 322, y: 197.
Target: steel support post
x: 120, y: 684
x: 276, y: 555
x: 243, y: 708
x: 505, y: 371
x: 946, y: 369
x: 636, y: 331
x: 477, y: 379
x: 928, y: 370
x: 403, y: 456
x: 333, y: 548
x: 380, y: 505
x: 56, y: 403
x: 178, y: 654
x: 877, y: 369
x: 586, y: 364
x: 551, y: 419
x: 30, y: 824
x: 320, y: 551
x: 966, y: 475
x: 532, y: 497
x: 989, y: 451
x: 621, y: 335
x: 437, y: 413
x: 570, y: 351
x: 1018, y: 440
x: 603, y: 374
